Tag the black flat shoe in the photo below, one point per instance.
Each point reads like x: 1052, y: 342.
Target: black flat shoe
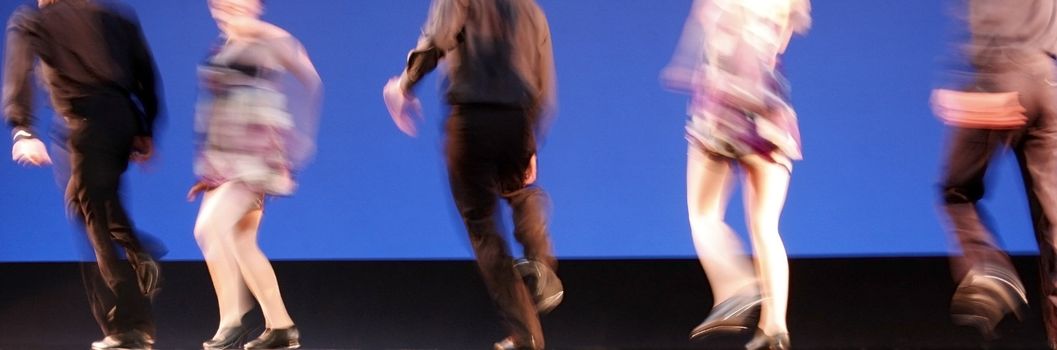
x: 985, y: 296
x: 231, y: 337
x: 762, y: 341
x: 279, y: 338
x: 228, y: 338
x: 544, y: 285
x: 734, y: 315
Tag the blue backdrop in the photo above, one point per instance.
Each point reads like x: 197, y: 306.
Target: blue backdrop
x: 614, y: 161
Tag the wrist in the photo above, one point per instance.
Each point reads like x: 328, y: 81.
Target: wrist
x: 404, y: 85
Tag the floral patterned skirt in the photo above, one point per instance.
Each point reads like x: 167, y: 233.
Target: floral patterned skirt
x: 242, y: 139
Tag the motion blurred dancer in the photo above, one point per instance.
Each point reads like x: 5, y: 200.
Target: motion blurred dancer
x: 740, y: 116
x: 501, y: 89
x: 1008, y: 99
x: 102, y: 81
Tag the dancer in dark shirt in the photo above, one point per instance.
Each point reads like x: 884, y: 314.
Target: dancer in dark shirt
x: 102, y: 81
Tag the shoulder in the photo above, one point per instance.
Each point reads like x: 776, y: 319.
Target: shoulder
x: 23, y: 17
x: 279, y: 38
x: 268, y: 31
x: 268, y: 34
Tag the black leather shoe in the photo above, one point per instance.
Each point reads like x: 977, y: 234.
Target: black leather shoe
x: 762, y: 341
x: 510, y: 344
x: 132, y: 340
x: 232, y: 337
x: 279, y: 338
x: 228, y: 338
x: 544, y: 285
x: 985, y: 296
x: 734, y: 315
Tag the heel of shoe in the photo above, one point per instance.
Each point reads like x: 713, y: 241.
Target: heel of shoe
x: 278, y: 338
x: 544, y: 285
x: 762, y: 341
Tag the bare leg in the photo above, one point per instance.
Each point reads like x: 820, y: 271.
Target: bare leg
x: 765, y: 190
x: 256, y: 270
x: 216, y: 220
x: 708, y: 184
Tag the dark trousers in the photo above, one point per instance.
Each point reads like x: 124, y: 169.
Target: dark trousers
x: 99, y: 145
x: 1035, y: 145
x: 488, y: 153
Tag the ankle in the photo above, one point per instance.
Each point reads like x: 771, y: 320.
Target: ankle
x: 284, y: 325
x: 775, y: 330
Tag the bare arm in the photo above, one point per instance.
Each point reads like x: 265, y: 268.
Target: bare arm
x: 294, y: 58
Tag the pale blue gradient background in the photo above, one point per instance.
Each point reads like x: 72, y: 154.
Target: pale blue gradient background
x: 614, y: 162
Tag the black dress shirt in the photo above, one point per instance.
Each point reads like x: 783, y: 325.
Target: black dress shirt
x: 87, y: 49
x: 498, y: 52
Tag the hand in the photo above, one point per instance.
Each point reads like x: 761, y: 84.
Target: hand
x: 404, y: 108
x: 142, y: 149
x: 30, y: 152
x: 198, y: 187
x: 530, y: 173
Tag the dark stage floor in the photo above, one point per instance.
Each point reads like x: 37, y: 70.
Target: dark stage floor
x: 889, y: 303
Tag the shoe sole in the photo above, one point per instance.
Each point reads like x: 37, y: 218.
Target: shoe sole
x: 293, y: 345
x: 717, y: 330
x: 980, y: 323
x: 549, y: 303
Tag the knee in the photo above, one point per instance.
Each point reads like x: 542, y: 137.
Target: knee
x: 479, y: 228
x: 242, y: 239
x: 209, y: 232
x: 482, y: 232
x: 764, y: 228
x: 705, y: 216
x: 202, y: 237
x: 706, y: 222
x: 527, y: 193
x: 75, y: 209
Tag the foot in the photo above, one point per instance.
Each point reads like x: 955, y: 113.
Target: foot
x: 985, y: 296
x: 132, y: 340
x: 278, y: 338
x: 544, y: 285
x: 231, y: 337
x: 734, y: 315
x: 762, y: 341
x: 510, y: 344
x: 228, y: 338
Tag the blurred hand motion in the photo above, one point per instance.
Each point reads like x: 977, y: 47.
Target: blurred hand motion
x: 404, y: 108
x: 197, y: 188
x: 142, y: 149
x: 530, y: 173
x: 27, y: 152
x: 981, y: 110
